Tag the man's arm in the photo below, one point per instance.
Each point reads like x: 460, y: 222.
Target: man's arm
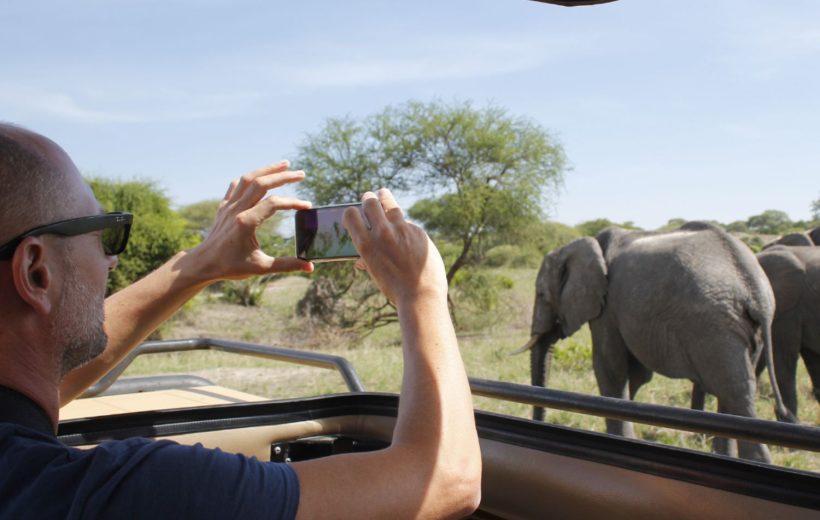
x: 432, y: 469
x: 230, y: 251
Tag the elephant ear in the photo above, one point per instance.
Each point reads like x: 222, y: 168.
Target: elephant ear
x: 787, y: 275
x: 583, y: 283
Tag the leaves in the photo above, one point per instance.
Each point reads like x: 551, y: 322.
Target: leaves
x: 157, y: 234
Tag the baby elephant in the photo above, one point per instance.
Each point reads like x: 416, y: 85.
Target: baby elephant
x: 690, y: 303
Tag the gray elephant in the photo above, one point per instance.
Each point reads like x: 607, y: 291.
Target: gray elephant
x: 814, y: 234
x: 794, y: 273
x: 689, y: 303
x: 792, y: 239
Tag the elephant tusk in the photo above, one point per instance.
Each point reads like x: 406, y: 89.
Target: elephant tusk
x: 533, y: 340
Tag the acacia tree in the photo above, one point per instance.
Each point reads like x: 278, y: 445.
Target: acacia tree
x: 344, y: 159
x: 496, y: 172
x: 477, y: 172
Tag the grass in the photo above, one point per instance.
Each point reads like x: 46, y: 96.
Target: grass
x: 485, y: 345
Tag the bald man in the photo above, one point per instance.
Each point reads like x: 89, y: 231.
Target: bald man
x: 59, y: 335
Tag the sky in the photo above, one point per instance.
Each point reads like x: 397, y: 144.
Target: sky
x: 704, y: 109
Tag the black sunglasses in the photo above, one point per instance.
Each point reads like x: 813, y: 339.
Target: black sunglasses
x: 115, y: 226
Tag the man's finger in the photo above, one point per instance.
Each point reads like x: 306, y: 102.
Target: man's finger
x: 282, y: 264
x: 260, y: 186
x: 263, y: 211
x: 244, y: 182
x: 354, y: 223
x: 391, y: 207
x: 373, y: 210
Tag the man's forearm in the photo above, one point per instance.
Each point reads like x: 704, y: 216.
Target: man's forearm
x: 436, y: 417
x: 134, y: 313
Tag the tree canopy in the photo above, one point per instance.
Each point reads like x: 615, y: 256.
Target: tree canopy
x: 770, y: 222
x: 476, y: 174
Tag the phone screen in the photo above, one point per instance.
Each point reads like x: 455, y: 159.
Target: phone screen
x: 320, y: 235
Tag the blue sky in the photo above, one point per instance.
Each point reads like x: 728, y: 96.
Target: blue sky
x: 703, y: 109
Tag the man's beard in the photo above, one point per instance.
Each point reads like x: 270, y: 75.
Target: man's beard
x: 80, y: 326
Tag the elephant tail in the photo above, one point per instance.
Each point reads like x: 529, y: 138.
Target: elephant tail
x: 781, y: 412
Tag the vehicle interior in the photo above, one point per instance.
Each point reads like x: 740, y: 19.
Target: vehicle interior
x: 531, y: 469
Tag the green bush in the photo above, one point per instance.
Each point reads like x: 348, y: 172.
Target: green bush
x: 508, y: 255
x: 157, y: 234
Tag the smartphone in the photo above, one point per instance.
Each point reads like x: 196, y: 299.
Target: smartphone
x: 320, y: 235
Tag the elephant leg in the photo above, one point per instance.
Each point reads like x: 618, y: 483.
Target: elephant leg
x: 639, y: 375
x: 724, y: 445
x: 786, y: 347
x: 698, y: 397
x: 741, y: 402
x: 812, y: 361
x: 610, y: 360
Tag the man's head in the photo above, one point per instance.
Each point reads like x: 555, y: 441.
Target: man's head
x: 53, y: 285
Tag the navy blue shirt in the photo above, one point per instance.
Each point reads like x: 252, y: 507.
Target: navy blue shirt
x: 136, y: 478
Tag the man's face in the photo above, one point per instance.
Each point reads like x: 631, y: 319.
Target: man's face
x: 83, y: 272
x: 80, y: 322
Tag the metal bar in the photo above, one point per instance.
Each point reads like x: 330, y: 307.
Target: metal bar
x: 746, y: 428
x: 316, y: 359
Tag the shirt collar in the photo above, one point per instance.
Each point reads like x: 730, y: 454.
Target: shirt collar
x: 18, y: 409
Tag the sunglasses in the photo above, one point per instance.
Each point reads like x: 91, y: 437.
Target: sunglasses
x: 115, y: 228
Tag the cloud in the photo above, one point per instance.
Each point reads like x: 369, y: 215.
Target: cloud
x: 455, y: 57
x: 149, y: 106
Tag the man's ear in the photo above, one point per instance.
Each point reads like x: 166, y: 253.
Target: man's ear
x: 32, y: 274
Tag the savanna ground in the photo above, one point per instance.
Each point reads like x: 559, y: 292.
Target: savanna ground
x: 485, y: 341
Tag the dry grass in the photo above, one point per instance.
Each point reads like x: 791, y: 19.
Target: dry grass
x: 377, y: 359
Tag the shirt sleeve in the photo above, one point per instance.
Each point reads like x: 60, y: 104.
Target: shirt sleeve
x: 161, y: 479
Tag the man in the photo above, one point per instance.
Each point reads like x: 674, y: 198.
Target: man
x: 55, y: 253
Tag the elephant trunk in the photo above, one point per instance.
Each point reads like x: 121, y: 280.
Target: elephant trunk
x: 540, y: 364
x: 541, y: 351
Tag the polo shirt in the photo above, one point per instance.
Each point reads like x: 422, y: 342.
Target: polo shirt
x: 136, y: 478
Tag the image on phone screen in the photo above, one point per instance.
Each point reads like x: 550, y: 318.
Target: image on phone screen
x: 321, y: 236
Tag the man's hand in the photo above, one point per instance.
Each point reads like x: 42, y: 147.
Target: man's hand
x: 231, y: 250
x: 401, y: 259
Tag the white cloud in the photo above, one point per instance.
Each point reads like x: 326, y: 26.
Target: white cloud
x: 154, y: 106
x: 439, y: 58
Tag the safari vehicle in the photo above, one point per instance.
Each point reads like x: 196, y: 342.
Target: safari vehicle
x: 531, y: 469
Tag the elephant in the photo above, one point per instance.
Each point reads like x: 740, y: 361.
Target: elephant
x: 792, y: 239
x: 691, y: 303
x: 794, y: 274
x: 814, y: 234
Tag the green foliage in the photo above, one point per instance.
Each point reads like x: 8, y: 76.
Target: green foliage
x: 673, y: 223
x: 590, y: 228
x: 248, y: 292
x: 754, y: 242
x: 484, y: 172
x: 199, y: 218
x: 509, y: 255
x: 815, y: 209
x: 348, y: 157
x: 498, y: 173
x: 157, y: 234
x: 770, y: 222
x: 738, y: 226
x: 343, y: 297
